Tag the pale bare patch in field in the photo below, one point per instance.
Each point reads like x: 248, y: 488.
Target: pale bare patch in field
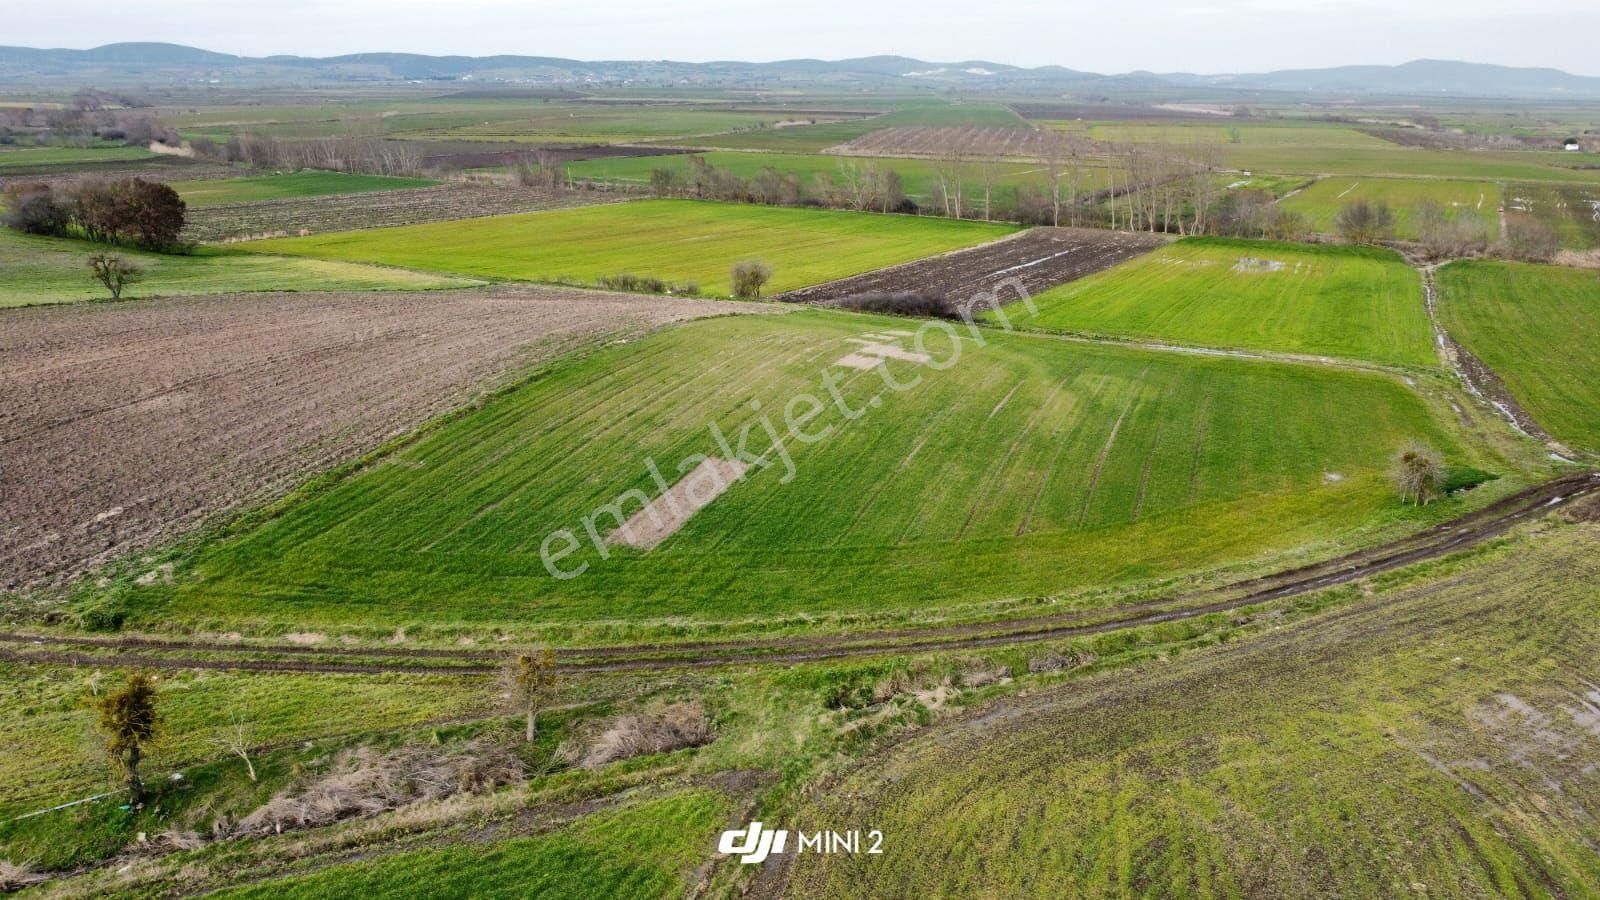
x: 663, y: 516
x: 875, y: 348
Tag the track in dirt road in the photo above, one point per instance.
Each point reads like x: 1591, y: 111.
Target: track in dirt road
x: 1460, y: 534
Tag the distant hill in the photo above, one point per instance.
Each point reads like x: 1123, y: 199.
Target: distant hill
x: 1423, y: 76
x: 168, y: 63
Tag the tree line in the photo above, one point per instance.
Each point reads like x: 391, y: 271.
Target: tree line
x: 130, y: 211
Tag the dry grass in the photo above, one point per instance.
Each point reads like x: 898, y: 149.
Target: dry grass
x: 364, y: 782
x: 671, y: 727
x: 14, y: 877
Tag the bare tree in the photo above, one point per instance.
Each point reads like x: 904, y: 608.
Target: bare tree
x: 1056, y: 161
x: 237, y: 740
x: 528, y: 680
x: 1364, y: 222
x: 1529, y: 240
x: 114, y: 272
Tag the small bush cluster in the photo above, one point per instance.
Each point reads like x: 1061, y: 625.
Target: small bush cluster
x: 645, y: 284
x: 901, y: 303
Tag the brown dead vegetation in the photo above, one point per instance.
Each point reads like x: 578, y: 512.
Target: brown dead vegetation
x: 364, y: 782
x: 675, y: 726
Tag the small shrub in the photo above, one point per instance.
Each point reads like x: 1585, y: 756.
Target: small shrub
x: 901, y: 303
x: 1365, y: 222
x: 749, y: 277
x: 637, y: 284
x: 1528, y: 240
x: 1418, y: 475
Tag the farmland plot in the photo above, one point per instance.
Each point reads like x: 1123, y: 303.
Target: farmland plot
x: 815, y: 138
x: 1538, y: 329
x: 1030, y: 465
x: 1438, y: 736
x: 222, y: 192
x: 1572, y: 210
x: 679, y: 241
x: 43, y: 270
x: 974, y: 143
x: 1037, y: 259
x: 123, y: 425
x: 1257, y: 295
x: 918, y: 176
x: 381, y: 209
x: 45, y: 158
x: 1322, y: 201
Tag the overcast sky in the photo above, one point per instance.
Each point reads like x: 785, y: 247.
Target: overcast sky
x: 1161, y: 35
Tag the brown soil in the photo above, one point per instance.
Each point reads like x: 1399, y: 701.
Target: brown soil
x: 1039, y: 258
x: 124, y: 425
x: 376, y: 209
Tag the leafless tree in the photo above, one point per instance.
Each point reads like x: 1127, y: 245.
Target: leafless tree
x: 237, y: 739
x: 114, y: 273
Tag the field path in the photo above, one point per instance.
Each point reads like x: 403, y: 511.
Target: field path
x: 1480, y: 380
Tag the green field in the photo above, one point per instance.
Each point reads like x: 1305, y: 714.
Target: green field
x: 1538, y: 328
x: 1403, y: 162
x: 222, y: 192
x: 676, y: 240
x: 1572, y: 210
x: 645, y: 849
x: 573, y: 123
x: 1434, y: 740
x: 918, y: 176
x: 63, y: 156
x: 45, y: 758
x: 1032, y: 465
x: 1246, y: 135
x: 813, y: 138
x: 1320, y: 202
x: 54, y: 270
x: 1338, y: 301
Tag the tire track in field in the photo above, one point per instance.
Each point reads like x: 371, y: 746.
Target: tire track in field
x: 1061, y: 446
x: 1466, y: 532
x: 1105, y: 451
x: 998, y: 470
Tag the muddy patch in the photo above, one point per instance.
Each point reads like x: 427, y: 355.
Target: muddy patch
x: 1250, y: 265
